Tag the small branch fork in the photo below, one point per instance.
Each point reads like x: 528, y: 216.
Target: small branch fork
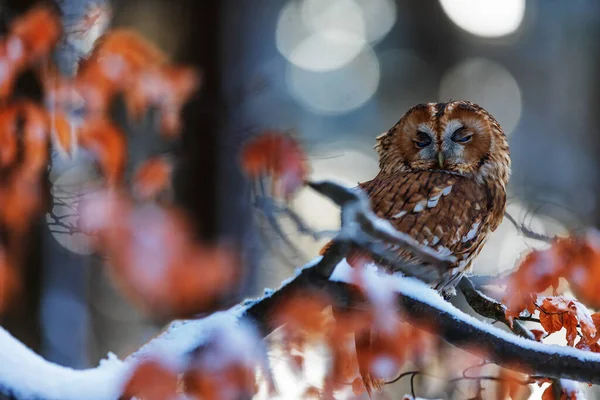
x: 417, y: 301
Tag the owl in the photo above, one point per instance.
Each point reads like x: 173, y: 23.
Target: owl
x: 443, y: 173
x: 444, y: 168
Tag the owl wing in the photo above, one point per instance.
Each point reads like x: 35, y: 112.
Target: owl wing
x: 447, y: 212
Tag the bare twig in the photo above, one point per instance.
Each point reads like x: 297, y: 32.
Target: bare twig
x: 490, y: 308
x: 528, y: 233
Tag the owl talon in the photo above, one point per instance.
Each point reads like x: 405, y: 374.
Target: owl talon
x: 448, y: 292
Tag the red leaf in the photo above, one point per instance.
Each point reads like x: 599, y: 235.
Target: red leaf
x: 231, y: 383
x: 152, y: 178
x: 107, y: 143
x: 155, y: 258
x: 575, y: 258
x: 538, y: 334
x: 279, y: 156
x: 166, y: 87
x: 151, y: 381
x: 358, y: 387
x: 549, y: 393
x: 39, y: 29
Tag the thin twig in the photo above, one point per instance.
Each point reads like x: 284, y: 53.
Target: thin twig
x: 528, y: 233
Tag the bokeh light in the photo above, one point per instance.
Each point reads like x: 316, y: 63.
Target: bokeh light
x: 320, y: 38
x: 337, y: 91
x: 488, y: 84
x: 486, y: 18
x: 323, y: 36
x: 379, y: 17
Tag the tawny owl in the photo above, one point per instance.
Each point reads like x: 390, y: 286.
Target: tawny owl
x: 444, y: 168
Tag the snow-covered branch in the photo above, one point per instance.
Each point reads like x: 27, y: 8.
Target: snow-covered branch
x: 25, y: 375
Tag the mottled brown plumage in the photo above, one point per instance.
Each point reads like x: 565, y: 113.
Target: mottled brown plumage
x: 444, y: 168
x: 450, y: 203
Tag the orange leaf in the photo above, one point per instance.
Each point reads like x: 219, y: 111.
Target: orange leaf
x: 509, y: 384
x: 303, y: 313
x: 583, y: 269
x: 236, y: 381
x: 358, y: 387
x: 575, y: 258
x: 551, y: 322
x: 152, y: 178
x: 277, y: 155
x: 166, y: 87
x: 156, y: 260
x: 570, y: 313
x: 62, y: 133
x: 118, y: 57
x: 107, y: 143
x: 151, y: 381
x: 549, y: 393
x: 570, y: 324
x: 116, y: 60
x: 39, y: 29
x: 11, y: 60
x: 312, y: 393
x: 538, y: 334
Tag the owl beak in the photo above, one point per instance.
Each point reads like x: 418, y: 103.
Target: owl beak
x: 440, y: 157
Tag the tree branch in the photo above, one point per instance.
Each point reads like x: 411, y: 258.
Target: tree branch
x: 328, y: 274
x: 490, y: 308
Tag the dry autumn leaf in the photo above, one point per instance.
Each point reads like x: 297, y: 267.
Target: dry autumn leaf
x: 24, y: 154
x: 166, y: 87
x: 224, y: 366
x: 231, y: 383
x: 151, y: 380
x: 155, y: 259
x: 152, y: 178
x: 577, y: 259
x: 39, y: 30
x: 107, y: 144
x: 278, y: 156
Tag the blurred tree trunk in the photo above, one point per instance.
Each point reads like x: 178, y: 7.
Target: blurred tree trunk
x: 22, y: 319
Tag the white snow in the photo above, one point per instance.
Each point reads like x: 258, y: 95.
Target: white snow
x: 28, y: 375
x: 419, y: 291
x: 572, y: 389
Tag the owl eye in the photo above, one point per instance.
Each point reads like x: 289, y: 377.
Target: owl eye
x: 422, y: 140
x: 461, y: 136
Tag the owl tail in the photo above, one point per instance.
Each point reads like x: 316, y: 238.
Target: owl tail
x: 363, y: 342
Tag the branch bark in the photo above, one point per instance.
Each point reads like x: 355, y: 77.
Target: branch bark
x: 418, y: 302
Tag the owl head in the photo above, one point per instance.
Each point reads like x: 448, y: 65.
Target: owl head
x: 459, y: 137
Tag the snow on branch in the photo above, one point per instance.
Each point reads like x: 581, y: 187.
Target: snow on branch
x: 24, y: 374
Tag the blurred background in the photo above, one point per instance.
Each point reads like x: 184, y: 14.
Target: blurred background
x: 338, y: 73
